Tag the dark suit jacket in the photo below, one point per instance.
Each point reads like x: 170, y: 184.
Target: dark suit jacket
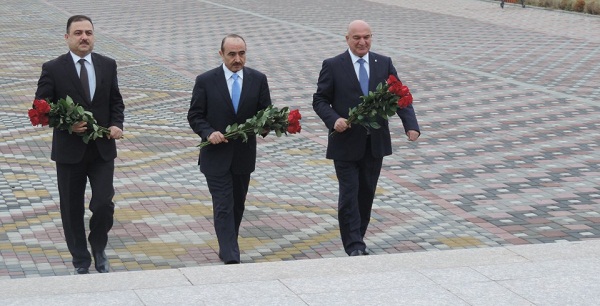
x: 211, y: 109
x: 338, y: 90
x: 59, y: 79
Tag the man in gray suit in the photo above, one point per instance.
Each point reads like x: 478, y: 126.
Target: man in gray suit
x: 228, y: 94
x: 357, y: 152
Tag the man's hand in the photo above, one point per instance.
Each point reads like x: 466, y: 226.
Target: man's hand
x: 79, y: 127
x: 217, y: 137
x: 413, y: 135
x: 341, y: 125
x: 115, y: 132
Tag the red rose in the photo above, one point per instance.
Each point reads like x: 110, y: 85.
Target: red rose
x: 39, y: 113
x: 395, y: 86
x: 396, y: 89
x: 405, y: 101
x: 393, y: 81
x: 294, y: 128
x: 44, y: 119
x: 33, y: 117
x: 41, y: 106
x: 294, y: 122
x: 404, y: 91
x: 294, y: 116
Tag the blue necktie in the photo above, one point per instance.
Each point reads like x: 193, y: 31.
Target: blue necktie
x: 363, y: 77
x: 235, y: 92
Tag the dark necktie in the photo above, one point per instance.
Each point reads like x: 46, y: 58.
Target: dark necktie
x: 83, y: 76
x: 235, y: 92
x: 363, y: 77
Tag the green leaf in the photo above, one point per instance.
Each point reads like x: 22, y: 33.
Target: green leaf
x: 230, y: 128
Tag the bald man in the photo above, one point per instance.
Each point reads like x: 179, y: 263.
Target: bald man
x: 357, y: 152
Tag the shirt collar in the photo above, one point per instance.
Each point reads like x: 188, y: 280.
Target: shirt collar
x: 76, y: 57
x: 229, y: 73
x: 355, y: 57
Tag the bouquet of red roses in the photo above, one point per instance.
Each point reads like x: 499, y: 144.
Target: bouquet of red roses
x: 63, y: 114
x: 294, y: 122
x: 383, y: 102
x: 281, y: 121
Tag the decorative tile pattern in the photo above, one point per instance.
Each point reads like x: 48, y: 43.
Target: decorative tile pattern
x: 507, y: 100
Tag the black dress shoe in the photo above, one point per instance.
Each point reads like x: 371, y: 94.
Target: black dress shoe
x: 101, y: 262
x: 228, y: 262
x: 358, y: 253
x: 82, y: 270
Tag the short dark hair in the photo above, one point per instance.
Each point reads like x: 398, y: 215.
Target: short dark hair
x: 231, y: 36
x: 78, y: 18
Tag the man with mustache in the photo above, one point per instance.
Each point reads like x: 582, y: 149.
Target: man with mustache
x: 228, y: 94
x: 90, y: 79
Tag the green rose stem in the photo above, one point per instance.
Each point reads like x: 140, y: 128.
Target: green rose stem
x: 268, y: 119
x: 63, y: 114
x: 382, y: 103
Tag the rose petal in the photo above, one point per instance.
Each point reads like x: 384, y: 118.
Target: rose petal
x: 33, y: 117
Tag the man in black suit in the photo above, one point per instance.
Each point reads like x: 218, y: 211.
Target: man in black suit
x: 357, y: 152
x: 76, y: 162
x: 227, y: 164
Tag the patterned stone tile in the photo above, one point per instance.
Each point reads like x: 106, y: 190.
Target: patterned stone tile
x: 507, y: 102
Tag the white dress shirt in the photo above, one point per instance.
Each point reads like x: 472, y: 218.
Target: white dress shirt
x: 90, y: 69
x: 357, y: 64
x: 229, y: 79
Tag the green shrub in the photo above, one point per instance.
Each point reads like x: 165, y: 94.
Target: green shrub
x: 565, y: 5
x: 578, y: 5
x: 592, y: 7
x: 583, y: 6
x: 545, y: 3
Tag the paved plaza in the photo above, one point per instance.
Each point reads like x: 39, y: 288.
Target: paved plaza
x: 507, y: 100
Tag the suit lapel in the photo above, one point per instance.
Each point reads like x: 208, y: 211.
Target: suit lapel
x: 71, y: 71
x: 97, y: 61
x: 246, y: 85
x: 221, y: 85
x: 348, y: 66
x: 375, y: 71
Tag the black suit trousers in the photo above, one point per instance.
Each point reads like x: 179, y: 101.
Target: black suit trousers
x: 72, y: 181
x: 357, y: 185
x: 228, y: 196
